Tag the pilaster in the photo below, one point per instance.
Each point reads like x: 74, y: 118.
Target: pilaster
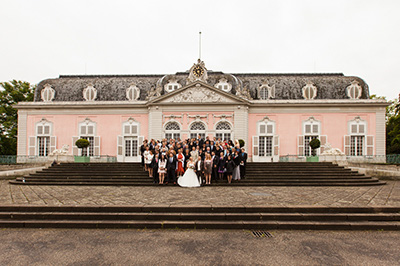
x: 22, y: 133
x: 380, y: 138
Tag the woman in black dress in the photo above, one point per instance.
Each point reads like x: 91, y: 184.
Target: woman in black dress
x: 230, y: 165
x: 221, y: 165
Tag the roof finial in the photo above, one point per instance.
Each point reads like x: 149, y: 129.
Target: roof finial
x: 199, y: 45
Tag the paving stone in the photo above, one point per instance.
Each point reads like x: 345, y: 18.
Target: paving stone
x: 387, y: 195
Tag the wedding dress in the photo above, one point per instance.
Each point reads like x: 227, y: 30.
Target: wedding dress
x: 189, y: 178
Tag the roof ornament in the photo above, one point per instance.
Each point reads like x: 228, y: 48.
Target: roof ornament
x: 198, y: 72
x: 243, y: 92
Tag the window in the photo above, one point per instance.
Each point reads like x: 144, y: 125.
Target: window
x: 311, y: 130
x: 223, y: 131
x: 172, y: 131
x: 87, y: 130
x: 265, y: 143
x: 358, y: 143
x: 131, y: 136
x: 90, y: 93
x: 354, y: 91
x: 133, y: 93
x: 48, y: 93
x: 197, y: 128
x: 223, y: 85
x: 309, y: 91
x: 172, y: 85
x: 45, y: 142
x: 266, y: 92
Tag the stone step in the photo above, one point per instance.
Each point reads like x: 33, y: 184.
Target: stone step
x: 202, y: 217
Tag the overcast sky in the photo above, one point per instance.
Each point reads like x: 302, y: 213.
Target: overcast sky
x: 43, y: 39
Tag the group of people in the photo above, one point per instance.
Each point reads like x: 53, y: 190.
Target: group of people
x: 193, y: 162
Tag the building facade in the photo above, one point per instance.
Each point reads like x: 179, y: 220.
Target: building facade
x: 275, y: 114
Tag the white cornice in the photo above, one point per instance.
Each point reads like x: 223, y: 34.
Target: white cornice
x: 254, y: 103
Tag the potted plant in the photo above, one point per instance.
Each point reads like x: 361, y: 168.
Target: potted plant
x: 241, y: 143
x: 81, y: 144
x: 314, y: 145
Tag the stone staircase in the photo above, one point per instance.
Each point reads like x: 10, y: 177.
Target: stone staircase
x: 201, y: 217
x: 258, y: 174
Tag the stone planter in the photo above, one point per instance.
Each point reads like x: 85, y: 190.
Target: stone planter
x: 82, y: 159
x: 313, y: 159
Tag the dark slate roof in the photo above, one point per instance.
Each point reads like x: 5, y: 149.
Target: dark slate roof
x: 287, y: 86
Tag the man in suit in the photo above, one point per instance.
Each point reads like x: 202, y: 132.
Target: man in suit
x: 215, y: 159
x: 171, y: 168
x: 201, y: 141
x: 243, y: 165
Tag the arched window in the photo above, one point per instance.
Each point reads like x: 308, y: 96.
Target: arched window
x: 266, y: 142
x: 133, y: 93
x: 172, y: 85
x: 43, y: 138
x: 224, y: 85
x: 358, y: 143
x: 354, y: 91
x: 223, y: 131
x: 131, y: 138
x: 197, y: 128
x: 90, y: 93
x: 87, y: 130
x: 309, y: 91
x: 172, y: 130
x: 311, y: 130
x: 48, y: 93
x: 266, y: 92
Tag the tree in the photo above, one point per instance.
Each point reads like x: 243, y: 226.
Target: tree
x: 393, y: 129
x: 12, y: 93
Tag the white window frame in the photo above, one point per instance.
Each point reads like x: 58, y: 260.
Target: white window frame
x: 172, y: 85
x: 314, y: 131
x: 43, y: 132
x: 266, y: 128
x: 130, y: 132
x: 196, y: 132
x: 223, y: 132
x: 266, y: 92
x: 47, y: 93
x: 173, y: 132
x: 358, y: 128
x: 308, y: 89
x: 223, y: 85
x: 90, y: 93
x: 94, y: 149
x: 133, y: 93
x: 354, y: 90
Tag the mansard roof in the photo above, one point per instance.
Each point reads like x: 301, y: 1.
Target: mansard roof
x: 288, y: 86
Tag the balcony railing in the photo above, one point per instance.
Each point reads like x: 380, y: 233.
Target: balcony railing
x: 14, y: 159
x: 389, y: 159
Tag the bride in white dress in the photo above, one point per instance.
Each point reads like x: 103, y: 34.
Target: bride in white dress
x: 189, y: 178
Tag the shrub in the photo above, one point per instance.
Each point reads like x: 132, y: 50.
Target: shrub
x: 241, y: 143
x: 315, y: 144
x: 82, y: 143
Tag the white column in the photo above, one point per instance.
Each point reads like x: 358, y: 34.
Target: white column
x: 380, y: 138
x: 155, y: 123
x: 22, y: 133
x: 241, y: 124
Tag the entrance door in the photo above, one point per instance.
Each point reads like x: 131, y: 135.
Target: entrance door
x: 131, y: 149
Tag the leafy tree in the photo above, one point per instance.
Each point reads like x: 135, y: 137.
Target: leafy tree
x: 12, y: 93
x: 393, y: 129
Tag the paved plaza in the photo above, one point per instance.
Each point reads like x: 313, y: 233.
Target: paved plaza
x: 386, y: 195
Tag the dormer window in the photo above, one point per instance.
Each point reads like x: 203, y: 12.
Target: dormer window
x: 172, y: 85
x: 309, y: 91
x: 90, y: 93
x: 48, y: 93
x: 266, y: 92
x: 354, y: 91
x: 133, y: 93
x: 223, y: 85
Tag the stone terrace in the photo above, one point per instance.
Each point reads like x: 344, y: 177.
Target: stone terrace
x: 387, y: 195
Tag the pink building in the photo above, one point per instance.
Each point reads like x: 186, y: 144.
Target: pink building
x: 276, y: 114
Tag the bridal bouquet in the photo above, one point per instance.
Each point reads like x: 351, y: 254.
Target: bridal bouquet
x: 191, y: 166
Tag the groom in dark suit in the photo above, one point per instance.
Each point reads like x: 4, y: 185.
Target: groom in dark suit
x: 171, y: 168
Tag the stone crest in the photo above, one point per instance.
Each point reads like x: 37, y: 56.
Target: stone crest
x: 198, y: 94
